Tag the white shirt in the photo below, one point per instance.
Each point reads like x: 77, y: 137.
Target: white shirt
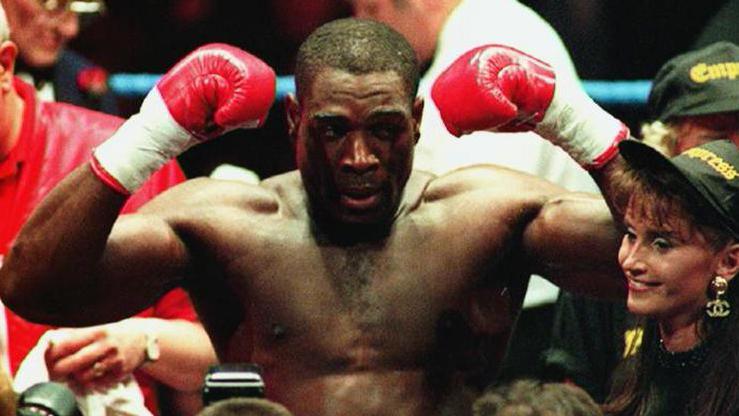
x: 473, y: 23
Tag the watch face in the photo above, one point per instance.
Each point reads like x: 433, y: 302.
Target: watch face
x: 152, y: 348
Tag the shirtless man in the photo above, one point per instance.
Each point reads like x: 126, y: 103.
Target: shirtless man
x: 360, y: 286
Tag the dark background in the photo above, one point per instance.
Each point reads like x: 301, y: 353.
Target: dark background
x: 623, y: 39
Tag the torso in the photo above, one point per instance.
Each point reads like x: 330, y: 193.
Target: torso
x: 408, y: 325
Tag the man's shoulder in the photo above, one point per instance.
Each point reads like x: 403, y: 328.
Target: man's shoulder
x: 479, y: 178
x: 214, y: 195
x: 288, y: 189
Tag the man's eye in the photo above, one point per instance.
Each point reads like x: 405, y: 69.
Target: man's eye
x: 385, y: 132
x: 331, y: 132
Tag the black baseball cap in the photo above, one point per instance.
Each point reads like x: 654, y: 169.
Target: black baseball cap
x: 700, y: 82
x: 711, y: 170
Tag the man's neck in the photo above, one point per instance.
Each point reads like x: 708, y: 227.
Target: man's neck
x: 332, y: 233
x: 326, y: 230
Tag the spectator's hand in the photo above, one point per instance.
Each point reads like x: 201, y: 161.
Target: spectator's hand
x: 96, y: 357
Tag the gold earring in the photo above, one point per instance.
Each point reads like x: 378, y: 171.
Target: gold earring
x: 718, y: 308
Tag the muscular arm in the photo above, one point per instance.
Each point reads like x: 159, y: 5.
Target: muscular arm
x: 72, y: 254
x: 574, y: 241
x: 73, y: 264
x: 571, y: 238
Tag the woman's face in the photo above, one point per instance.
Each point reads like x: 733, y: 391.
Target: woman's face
x: 668, y: 269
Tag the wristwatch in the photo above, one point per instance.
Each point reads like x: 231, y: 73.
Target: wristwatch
x: 152, y: 352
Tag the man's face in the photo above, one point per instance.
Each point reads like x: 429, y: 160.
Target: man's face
x: 39, y: 33
x: 354, y: 144
x: 407, y: 17
x: 696, y: 130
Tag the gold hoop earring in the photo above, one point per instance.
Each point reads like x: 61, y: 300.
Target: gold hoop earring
x: 717, y: 307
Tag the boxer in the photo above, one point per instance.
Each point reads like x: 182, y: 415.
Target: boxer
x: 359, y: 286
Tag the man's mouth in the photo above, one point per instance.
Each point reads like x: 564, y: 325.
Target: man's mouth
x: 360, y: 198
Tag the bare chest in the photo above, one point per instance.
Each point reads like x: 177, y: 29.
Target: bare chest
x: 393, y: 304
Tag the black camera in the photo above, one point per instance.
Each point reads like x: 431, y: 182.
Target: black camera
x: 232, y: 380
x: 49, y: 399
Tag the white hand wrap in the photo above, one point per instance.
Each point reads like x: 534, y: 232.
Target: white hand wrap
x: 143, y: 144
x: 579, y: 126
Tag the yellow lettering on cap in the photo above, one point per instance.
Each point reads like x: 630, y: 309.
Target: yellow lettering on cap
x: 718, y: 164
x: 702, y: 72
x: 699, y: 74
x: 733, y: 69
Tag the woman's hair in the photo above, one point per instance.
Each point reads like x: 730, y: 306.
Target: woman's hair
x: 715, y: 389
x: 665, y: 199
x: 661, y: 136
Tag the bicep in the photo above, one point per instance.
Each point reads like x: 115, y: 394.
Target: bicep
x: 143, y: 259
x: 574, y: 242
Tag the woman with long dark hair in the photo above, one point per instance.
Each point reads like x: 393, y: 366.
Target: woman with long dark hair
x: 680, y: 255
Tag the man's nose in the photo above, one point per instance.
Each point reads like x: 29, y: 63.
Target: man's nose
x: 359, y: 157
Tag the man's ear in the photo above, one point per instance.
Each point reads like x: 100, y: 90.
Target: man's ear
x: 417, y: 116
x: 292, y: 113
x: 728, y: 266
x: 8, y: 53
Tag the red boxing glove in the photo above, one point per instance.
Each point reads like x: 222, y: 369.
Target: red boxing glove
x: 498, y: 88
x: 493, y: 87
x: 217, y: 88
x: 214, y: 89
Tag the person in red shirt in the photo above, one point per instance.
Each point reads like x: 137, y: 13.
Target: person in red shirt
x: 40, y: 143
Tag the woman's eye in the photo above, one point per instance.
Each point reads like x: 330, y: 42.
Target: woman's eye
x: 630, y: 235
x: 661, y: 244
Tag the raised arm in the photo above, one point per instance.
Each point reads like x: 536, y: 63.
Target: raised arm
x: 72, y: 263
x: 574, y: 238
